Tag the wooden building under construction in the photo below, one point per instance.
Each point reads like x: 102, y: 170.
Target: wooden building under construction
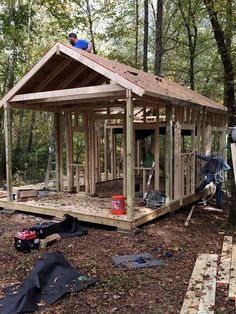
x: 103, y: 99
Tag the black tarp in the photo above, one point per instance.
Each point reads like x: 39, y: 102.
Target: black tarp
x: 51, y: 278
x: 68, y: 228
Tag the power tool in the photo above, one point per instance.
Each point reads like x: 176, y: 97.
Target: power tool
x: 26, y: 240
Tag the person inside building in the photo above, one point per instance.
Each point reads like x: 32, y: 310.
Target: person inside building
x: 79, y: 43
x: 213, y: 172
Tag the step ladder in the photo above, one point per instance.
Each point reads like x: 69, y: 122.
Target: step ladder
x: 51, y: 165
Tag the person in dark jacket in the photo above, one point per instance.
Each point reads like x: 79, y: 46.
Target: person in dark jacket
x: 213, y: 172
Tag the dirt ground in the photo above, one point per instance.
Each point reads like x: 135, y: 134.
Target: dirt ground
x: 153, y: 291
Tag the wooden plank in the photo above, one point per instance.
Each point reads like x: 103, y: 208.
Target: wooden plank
x: 188, y: 170
x: 232, y: 280
x: 119, y: 222
x: 105, y: 151
x: 233, y: 154
x: 52, y: 75
x: 58, y: 150
x: 62, y: 141
x: 112, y: 116
x: 8, y: 148
x: 168, y: 153
x: 182, y: 183
x: 75, y: 73
x: 192, y: 297
x: 89, y: 78
x: 129, y: 154
x: 87, y: 152
x: 92, y: 147
x: 225, y: 261
x: 207, y: 298
x: 208, y: 135
x: 177, y: 159
x: 193, y: 149
x: 189, y: 216
x: 69, y: 157
x: 72, y: 94
x: 124, y: 141
x: 157, y: 152
x: 112, y: 155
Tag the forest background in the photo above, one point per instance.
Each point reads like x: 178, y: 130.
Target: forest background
x: 189, y: 41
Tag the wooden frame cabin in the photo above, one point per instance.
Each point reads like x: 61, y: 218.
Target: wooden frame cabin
x: 88, y: 93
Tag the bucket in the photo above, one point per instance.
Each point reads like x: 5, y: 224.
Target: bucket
x: 118, y: 205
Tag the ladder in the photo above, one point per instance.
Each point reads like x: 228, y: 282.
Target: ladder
x: 149, y: 180
x: 51, y: 161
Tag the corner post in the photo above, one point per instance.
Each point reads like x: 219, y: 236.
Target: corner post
x: 58, y: 149
x: 169, y: 152
x: 129, y: 153
x: 8, y: 148
x: 157, y: 151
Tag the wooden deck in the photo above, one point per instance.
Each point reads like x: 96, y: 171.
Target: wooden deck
x: 92, y: 209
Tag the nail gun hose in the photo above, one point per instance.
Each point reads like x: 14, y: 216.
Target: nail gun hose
x: 205, y: 201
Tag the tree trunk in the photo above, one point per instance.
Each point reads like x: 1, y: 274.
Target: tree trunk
x: 30, y: 142
x: 136, y: 32
x: 159, y: 49
x: 191, y: 28
x: 229, y: 96
x: 145, y: 40
x: 91, y: 26
x: 19, y: 132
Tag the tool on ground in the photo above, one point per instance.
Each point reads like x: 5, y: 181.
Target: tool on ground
x: 149, y: 180
x: 26, y: 240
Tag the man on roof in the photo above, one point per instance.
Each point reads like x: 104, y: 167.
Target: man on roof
x: 79, y: 43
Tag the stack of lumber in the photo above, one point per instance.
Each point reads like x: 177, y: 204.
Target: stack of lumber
x: 200, y: 296
x: 227, y: 271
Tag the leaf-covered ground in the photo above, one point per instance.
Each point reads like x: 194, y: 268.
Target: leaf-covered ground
x: 153, y: 291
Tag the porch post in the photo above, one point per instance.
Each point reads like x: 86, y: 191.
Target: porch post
x: 157, y: 152
x: 58, y: 149
x: 129, y: 154
x: 8, y: 147
x: 169, y: 153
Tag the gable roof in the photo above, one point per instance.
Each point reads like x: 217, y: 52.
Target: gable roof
x: 65, y: 67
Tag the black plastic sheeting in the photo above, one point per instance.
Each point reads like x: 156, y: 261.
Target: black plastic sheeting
x: 68, y: 228
x: 51, y: 278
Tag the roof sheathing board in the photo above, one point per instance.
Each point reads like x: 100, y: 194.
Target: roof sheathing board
x: 153, y: 85
x: 140, y: 82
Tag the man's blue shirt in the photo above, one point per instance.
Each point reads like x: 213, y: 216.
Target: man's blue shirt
x: 81, y: 44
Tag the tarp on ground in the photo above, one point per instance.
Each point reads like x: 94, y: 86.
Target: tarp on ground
x: 51, y: 278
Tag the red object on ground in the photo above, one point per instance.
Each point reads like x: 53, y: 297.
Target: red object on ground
x: 26, y: 235
x: 118, y: 205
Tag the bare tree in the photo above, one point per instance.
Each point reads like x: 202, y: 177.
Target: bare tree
x: 145, y: 40
x: 223, y: 40
x: 159, y: 48
x: 136, y: 31
x: 91, y: 25
x: 191, y: 28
